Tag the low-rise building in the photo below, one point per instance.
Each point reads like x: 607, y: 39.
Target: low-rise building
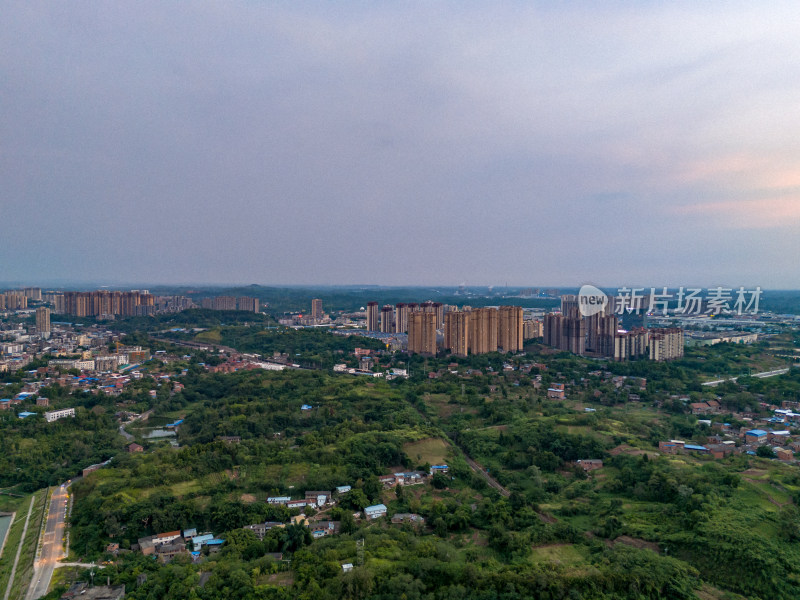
x: 756, y: 436
x: 55, y: 415
x: 319, y: 498
x: 322, y: 528
x: 374, y: 512
x: 281, y: 500
x: 261, y: 529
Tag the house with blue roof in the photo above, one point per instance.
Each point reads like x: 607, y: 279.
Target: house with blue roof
x: 25, y: 414
x: 199, y: 541
x: 756, y: 436
x: 696, y: 448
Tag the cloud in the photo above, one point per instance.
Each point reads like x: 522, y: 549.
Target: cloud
x: 427, y: 143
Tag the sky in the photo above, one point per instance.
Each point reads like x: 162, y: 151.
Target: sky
x: 401, y: 143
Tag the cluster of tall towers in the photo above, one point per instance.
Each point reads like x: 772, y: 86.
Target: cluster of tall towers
x: 395, y: 319
x: 483, y: 330
x: 600, y: 334
x: 104, y: 302
x: 469, y: 331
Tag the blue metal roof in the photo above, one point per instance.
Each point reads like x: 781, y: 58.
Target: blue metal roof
x: 693, y: 447
x: 756, y: 432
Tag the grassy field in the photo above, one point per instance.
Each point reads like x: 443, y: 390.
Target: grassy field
x: 25, y: 566
x: 212, y: 336
x: 20, y: 506
x: 563, y: 554
x: 431, y: 450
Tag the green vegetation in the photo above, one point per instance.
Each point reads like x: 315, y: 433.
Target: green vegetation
x: 24, y: 570
x: 642, y: 526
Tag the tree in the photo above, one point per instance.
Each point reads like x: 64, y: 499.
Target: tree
x: 765, y: 452
x: 372, y: 487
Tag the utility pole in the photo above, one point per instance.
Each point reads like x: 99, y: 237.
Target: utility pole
x: 360, y: 552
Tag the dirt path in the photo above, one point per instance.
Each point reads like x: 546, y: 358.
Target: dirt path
x: 489, y: 479
x: 772, y: 500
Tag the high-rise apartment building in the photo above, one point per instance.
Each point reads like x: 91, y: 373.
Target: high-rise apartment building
x: 531, y: 329
x: 316, y: 309
x: 16, y: 300
x: 43, y: 319
x: 224, y: 303
x: 33, y: 293
x: 565, y: 332
x: 573, y: 334
x: 509, y: 329
x: 401, y: 318
x: 483, y: 331
x: 373, y: 322
x: 569, y: 303
x: 247, y: 303
x: 666, y: 344
x: 456, y: 332
x: 387, y: 319
x: 551, y: 329
x: 438, y: 308
x: 104, y: 302
x: 607, y: 326
x: 422, y: 332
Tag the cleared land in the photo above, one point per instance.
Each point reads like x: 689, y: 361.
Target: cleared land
x: 430, y: 450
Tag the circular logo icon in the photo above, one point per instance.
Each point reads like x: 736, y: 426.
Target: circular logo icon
x: 591, y: 300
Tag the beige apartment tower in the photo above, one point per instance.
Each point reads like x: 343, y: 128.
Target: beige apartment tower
x: 456, y: 332
x: 509, y: 329
x: 316, y: 309
x: 666, y: 344
x: 43, y: 320
x: 422, y: 333
x: 373, y: 315
x: 401, y: 318
x: 483, y: 331
x: 387, y: 319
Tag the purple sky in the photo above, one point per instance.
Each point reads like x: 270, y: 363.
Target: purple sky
x: 401, y: 143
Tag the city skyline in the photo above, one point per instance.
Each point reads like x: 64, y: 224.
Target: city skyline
x: 420, y: 145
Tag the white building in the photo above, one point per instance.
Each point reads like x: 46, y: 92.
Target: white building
x: 55, y: 415
x: 375, y: 512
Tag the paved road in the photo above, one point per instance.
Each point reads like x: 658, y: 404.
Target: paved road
x: 52, y: 544
x: 19, y: 549
x: 759, y: 375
